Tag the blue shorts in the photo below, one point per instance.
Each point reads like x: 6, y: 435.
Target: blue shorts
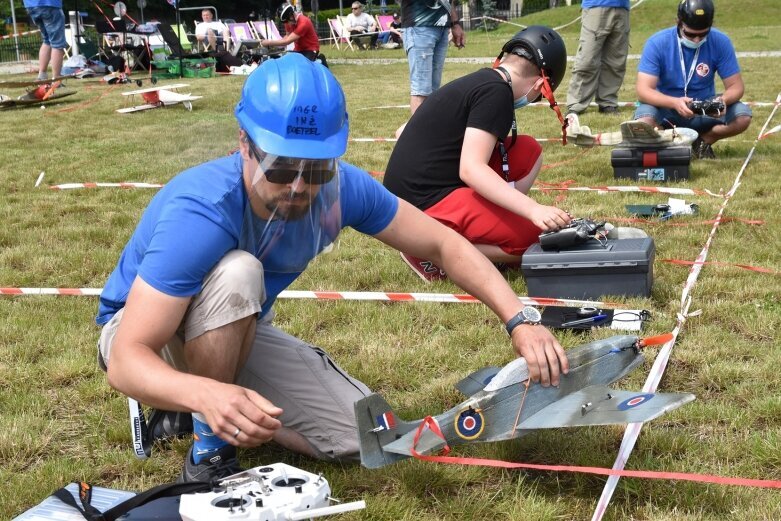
x: 426, y: 48
x: 51, y: 22
x: 669, y: 118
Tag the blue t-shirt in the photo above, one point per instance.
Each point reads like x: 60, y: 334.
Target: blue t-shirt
x: 660, y: 58
x: 42, y: 3
x: 199, y: 216
x: 588, y: 4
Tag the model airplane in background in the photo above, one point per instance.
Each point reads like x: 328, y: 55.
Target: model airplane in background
x: 45, y: 91
x: 157, y: 97
x: 632, y: 134
x: 503, y: 404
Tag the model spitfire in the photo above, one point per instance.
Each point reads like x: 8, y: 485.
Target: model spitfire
x: 632, y: 134
x: 157, y: 97
x: 503, y: 404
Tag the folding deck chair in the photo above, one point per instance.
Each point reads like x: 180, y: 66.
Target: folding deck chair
x: 383, y: 22
x: 339, y: 34
x: 267, y: 30
x: 242, y: 36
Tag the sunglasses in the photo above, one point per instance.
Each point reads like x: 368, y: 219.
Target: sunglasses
x: 311, y: 177
x: 283, y: 176
x: 690, y: 35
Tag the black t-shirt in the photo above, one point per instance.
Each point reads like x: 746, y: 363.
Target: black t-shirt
x: 423, y: 168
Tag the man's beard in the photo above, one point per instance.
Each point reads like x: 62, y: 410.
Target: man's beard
x: 290, y: 212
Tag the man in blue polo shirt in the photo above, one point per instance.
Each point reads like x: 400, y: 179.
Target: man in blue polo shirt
x: 679, y: 65
x: 47, y: 15
x: 187, y: 313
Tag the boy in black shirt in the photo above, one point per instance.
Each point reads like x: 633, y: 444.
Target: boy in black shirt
x: 454, y: 162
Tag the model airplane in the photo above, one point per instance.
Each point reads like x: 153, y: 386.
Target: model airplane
x: 632, y: 134
x: 501, y: 406
x: 156, y: 97
x: 43, y: 93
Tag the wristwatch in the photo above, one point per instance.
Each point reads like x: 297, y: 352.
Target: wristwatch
x: 528, y: 315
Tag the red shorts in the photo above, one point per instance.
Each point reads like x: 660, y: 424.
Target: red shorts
x: 483, y: 222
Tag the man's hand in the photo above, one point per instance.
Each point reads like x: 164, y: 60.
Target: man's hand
x: 549, y: 218
x: 681, y: 106
x: 543, y: 353
x: 229, y: 407
x: 459, y: 38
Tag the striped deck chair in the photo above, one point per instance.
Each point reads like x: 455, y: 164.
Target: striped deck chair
x: 340, y: 35
x: 242, y: 36
x: 267, y: 30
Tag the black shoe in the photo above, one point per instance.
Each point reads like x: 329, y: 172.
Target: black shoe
x: 219, y: 466
x: 702, y: 150
x: 168, y: 424
x: 608, y: 110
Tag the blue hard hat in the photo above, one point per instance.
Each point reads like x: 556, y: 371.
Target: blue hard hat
x: 294, y: 107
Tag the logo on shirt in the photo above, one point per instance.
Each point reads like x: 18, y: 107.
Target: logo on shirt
x: 702, y: 70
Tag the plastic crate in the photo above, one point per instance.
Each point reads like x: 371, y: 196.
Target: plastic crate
x: 193, y: 67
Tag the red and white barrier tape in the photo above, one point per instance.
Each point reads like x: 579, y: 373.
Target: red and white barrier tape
x: 758, y: 269
x: 73, y: 186
x: 25, y: 33
x: 431, y: 424
x: 592, y: 104
x: 660, y: 363
x: 393, y: 139
x: 339, y: 295
x: 647, y: 189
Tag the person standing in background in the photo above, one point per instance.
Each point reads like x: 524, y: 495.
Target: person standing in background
x: 600, y: 63
x: 47, y: 15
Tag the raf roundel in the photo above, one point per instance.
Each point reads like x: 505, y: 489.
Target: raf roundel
x: 469, y: 424
x: 630, y: 403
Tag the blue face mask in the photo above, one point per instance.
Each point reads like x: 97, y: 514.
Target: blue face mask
x: 523, y: 100
x: 690, y: 44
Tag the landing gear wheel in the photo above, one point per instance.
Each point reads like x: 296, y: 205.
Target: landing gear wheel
x: 154, y: 80
x: 139, y: 82
x: 188, y: 105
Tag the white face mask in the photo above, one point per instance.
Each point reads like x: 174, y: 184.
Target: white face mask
x: 690, y: 44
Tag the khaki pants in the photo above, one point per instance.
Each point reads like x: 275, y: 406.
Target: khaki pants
x: 316, y: 395
x: 600, y: 62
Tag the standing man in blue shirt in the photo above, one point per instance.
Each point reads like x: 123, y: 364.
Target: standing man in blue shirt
x: 679, y: 65
x: 600, y: 63
x: 187, y: 313
x: 47, y: 15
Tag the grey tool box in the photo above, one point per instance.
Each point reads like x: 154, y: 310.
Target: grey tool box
x: 591, y: 270
x: 651, y: 164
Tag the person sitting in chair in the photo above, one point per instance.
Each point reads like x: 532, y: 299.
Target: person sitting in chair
x: 211, y: 31
x: 299, y: 31
x: 359, y: 23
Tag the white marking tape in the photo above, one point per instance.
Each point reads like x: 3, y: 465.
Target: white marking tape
x: 660, y: 364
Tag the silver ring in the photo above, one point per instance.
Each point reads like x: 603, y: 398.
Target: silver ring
x: 238, y: 431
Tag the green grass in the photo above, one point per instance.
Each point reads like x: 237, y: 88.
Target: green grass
x: 61, y: 422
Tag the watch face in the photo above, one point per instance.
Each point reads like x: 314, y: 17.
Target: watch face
x: 531, y: 315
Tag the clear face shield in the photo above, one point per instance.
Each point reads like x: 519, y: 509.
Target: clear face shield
x: 293, y: 212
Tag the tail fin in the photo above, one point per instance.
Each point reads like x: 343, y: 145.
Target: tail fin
x: 378, y: 426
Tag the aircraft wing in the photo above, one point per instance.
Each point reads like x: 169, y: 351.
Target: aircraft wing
x: 601, y: 405
x: 475, y: 382
x: 168, y: 97
x: 153, y: 89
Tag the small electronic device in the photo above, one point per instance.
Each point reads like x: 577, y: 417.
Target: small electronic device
x: 712, y: 106
x: 266, y: 493
x: 576, y: 232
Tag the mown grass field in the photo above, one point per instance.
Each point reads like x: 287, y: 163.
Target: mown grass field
x: 60, y: 422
